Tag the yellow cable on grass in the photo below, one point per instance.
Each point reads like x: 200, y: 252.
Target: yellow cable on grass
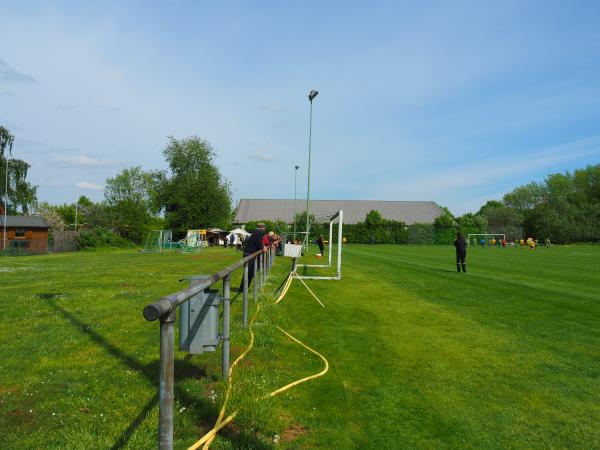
x: 229, y: 378
x: 287, y: 285
x: 208, y: 437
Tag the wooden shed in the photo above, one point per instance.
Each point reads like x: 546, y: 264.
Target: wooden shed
x: 24, y: 234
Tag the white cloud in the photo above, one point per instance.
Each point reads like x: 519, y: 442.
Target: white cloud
x: 484, y: 173
x: 86, y: 185
x: 10, y: 75
x: 82, y: 161
x: 263, y: 157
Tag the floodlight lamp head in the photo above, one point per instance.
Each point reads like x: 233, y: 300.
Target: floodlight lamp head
x: 312, y: 95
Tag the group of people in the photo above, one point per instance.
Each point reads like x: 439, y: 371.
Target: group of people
x: 259, y: 239
x: 493, y: 242
x: 461, y: 247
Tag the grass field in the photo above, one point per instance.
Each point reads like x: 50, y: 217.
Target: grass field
x: 504, y: 356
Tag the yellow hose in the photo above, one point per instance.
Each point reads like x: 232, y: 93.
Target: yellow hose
x: 208, y: 438
x: 229, y: 378
x: 287, y: 285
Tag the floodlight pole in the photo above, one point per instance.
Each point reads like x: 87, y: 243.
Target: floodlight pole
x: 311, y: 97
x: 76, y: 208
x: 295, y: 196
x: 5, y: 205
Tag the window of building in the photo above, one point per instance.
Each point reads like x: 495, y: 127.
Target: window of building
x: 19, y: 233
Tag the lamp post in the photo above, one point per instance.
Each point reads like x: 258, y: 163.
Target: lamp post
x: 311, y: 97
x: 5, y: 205
x: 295, y: 196
x: 76, y: 207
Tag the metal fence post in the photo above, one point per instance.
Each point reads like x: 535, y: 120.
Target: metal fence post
x: 254, y: 288
x: 266, y: 264
x: 245, y: 297
x: 260, y: 271
x: 226, y: 313
x: 166, y: 381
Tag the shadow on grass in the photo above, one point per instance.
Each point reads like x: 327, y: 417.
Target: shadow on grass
x: 205, y: 412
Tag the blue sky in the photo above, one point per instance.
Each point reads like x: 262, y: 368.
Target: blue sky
x: 456, y: 102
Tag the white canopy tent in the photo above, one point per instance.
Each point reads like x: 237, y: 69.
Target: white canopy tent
x: 238, y: 234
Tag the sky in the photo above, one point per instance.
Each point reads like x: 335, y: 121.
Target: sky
x: 452, y: 102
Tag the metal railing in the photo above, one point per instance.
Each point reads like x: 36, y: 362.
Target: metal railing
x: 165, y: 309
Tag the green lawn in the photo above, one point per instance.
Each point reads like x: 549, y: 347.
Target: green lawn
x: 504, y: 356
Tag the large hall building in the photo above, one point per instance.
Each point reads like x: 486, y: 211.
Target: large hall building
x: 409, y: 212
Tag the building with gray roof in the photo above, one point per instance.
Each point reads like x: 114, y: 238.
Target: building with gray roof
x: 409, y: 212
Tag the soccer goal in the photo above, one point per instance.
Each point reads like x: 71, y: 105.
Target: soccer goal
x: 474, y: 238
x: 194, y: 241
x: 158, y: 240
x: 338, y: 218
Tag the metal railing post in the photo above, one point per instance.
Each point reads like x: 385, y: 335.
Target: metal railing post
x: 260, y: 271
x: 254, y: 288
x: 166, y: 381
x: 226, y: 314
x: 245, y: 297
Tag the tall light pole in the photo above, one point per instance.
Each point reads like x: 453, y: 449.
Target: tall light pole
x: 76, y: 207
x: 295, y: 186
x: 5, y: 205
x: 311, y: 97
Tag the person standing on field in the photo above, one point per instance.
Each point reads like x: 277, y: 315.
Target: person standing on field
x: 252, y: 244
x: 321, y: 244
x: 461, y: 252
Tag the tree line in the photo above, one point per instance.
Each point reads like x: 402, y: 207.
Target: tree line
x: 192, y: 194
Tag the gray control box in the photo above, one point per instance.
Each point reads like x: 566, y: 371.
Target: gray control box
x: 199, y: 320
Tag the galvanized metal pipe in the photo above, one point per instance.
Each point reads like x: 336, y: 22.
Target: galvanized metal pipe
x: 245, y: 297
x: 226, y: 314
x: 254, y: 287
x: 261, y: 271
x: 166, y: 382
x: 165, y: 310
x: 165, y: 305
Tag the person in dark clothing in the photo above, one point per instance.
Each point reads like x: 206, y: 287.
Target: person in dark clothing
x: 321, y: 244
x: 252, y: 244
x: 461, y: 252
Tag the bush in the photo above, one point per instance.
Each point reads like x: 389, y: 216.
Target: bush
x: 101, y: 238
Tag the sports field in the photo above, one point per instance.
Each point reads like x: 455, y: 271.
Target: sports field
x: 504, y: 356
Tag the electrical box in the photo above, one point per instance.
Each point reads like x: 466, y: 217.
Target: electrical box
x: 293, y: 250
x: 199, y: 320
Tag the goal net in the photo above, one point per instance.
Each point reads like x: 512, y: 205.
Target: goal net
x: 193, y: 241
x: 330, y: 225
x: 158, y: 240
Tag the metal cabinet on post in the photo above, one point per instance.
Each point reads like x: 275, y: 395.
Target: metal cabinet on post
x: 199, y: 320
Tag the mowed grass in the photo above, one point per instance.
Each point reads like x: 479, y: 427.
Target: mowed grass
x: 504, y: 356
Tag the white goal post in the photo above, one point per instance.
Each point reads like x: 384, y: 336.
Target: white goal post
x: 339, y: 216
x: 484, y: 235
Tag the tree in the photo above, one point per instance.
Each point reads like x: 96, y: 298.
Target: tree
x: 472, y: 223
x: 505, y: 220
x: 374, y: 218
x: 20, y: 192
x: 525, y: 197
x: 195, y: 195
x: 131, y: 197
x: 445, y: 227
x: 51, y: 216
